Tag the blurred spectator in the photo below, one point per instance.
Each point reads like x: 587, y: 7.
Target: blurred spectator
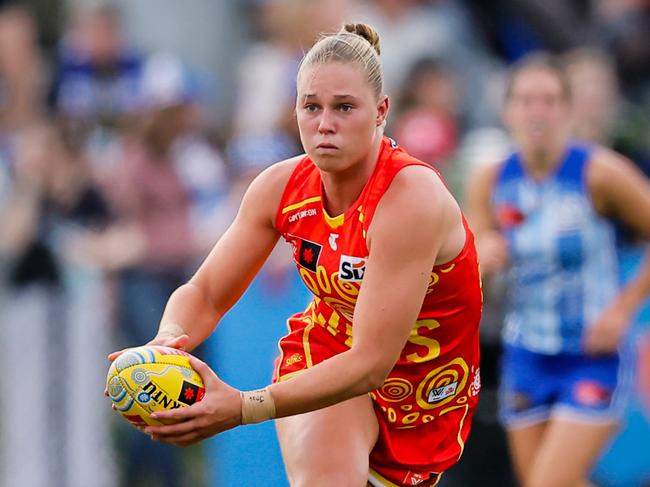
x: 412, y: 30
x: 601, y: 113
x: 20, y: 72
x: 625, y: 27
x: 168, y: 83
x: 515, y: 28
x: 53, y: 317
x: 265, y: 124
x: 165, y: 189
x: 96, y: 80
x: 427, y: 122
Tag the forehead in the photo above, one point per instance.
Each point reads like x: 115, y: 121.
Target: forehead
x: 332, y: 78
x: 536, y: 80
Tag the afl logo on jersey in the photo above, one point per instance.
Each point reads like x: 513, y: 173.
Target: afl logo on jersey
x: 352, y: 269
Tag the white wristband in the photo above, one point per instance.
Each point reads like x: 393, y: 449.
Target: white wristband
x: 257, y: 406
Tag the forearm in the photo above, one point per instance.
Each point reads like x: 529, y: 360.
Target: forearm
x: 337, y: 379
x: 189, y: 312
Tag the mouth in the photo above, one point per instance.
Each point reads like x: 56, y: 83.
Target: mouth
x: 325, y: 145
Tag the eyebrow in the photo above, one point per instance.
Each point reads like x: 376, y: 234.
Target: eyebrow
x: 338, y: 97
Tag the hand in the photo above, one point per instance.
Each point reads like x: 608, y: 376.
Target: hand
x: 219, y: 410
x: 164, y: 339
x: 605, y: 334
x: 492, y: 250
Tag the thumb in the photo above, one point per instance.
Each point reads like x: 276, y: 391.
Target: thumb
x: 207, y: 374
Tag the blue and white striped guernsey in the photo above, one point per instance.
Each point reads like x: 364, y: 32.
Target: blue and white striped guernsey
x: 563, y: 254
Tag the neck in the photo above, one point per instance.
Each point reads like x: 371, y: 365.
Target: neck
x: 540, y: 163
x: 342, y: 188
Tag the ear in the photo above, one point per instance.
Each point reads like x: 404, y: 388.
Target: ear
x: 382, y: 110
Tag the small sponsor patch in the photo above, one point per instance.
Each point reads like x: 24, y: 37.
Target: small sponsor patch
x: 190, y: 393
x: 298, y: 215
x: 443, y: 392
x: 417, y: 478
x: 510, y: 217
x: 475, y: 388
x: 591, y: 393
x: 307, y: 253
x: 144, y: 398
x: 293, y: 359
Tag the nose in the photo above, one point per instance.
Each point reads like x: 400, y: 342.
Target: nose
x: 326, y: 122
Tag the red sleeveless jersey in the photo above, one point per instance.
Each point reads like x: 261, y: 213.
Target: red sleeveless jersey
x: 436, y: 379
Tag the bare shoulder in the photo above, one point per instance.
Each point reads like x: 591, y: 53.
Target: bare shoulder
x: 418, y: 216
x: 265, y: 191
x: 418, y: 189
x: 417, y: 196
x: 606, y: 164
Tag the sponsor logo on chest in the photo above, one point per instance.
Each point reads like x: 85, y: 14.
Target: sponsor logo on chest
x: 351, y: 268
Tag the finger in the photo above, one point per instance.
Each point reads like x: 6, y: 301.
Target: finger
x: 168, y: 430
x: 207, y: 374
x: 181, y: 440
x: 113, y: 355
x: 181, y: 414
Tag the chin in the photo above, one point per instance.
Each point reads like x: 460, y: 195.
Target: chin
x: 328, y: 163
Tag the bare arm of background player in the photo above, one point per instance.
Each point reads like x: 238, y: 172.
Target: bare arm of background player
x: 620, y: 191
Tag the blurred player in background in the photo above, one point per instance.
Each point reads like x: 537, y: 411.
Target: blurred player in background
x: 396, y: 264
x: 548, y: 213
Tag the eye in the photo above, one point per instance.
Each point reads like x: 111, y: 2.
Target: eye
x: 345, y: 107
x: 311, y: 108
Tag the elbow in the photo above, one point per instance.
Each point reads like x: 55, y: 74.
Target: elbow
x: 375, y: 380
x: 374, y: 376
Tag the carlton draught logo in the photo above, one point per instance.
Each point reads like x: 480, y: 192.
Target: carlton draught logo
x: 352, y: 269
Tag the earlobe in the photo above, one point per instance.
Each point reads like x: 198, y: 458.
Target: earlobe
x: 382, y: 111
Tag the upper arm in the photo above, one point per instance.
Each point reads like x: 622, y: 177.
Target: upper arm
x: 478, y: 198
x: 620, y: 190
x: 405, y: 236
x: 240, y: 252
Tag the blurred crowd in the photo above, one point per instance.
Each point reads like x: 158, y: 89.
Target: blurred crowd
x: 117, y: 175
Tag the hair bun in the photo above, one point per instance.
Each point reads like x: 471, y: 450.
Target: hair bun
x: 365, y: 31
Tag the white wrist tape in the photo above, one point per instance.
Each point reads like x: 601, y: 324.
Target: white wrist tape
x: 257, y: 406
